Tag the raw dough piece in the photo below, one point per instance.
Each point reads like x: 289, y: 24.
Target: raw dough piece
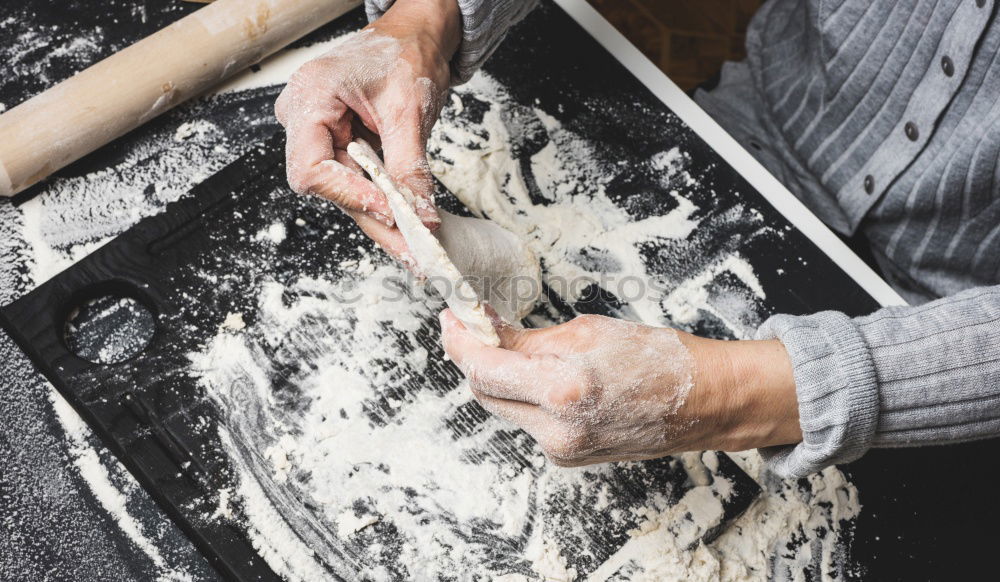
x: 496, y: 263
x: 477, y: 245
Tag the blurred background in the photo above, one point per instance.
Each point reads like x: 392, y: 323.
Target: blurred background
x: 687, y: 40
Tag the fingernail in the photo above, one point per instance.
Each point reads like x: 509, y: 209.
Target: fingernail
x: 492, y: 314
x: 432, y: 225
x: 427, y: 213
x: 411, y: 265
x: 383, y: 218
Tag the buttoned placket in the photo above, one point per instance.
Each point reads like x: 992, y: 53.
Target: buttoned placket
x: 916, y: 126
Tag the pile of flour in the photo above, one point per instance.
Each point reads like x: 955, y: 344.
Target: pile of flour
x: 358, y: 448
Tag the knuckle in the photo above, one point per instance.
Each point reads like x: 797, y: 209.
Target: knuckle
x: 281, y: 109
x: 565, y: 447
x: 308, y: 72
x: 299, y: 180
x: 565, y: 394
x: 575, y: 389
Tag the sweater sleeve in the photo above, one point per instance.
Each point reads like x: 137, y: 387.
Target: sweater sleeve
x: 484, y: 25
x: 903, y: 376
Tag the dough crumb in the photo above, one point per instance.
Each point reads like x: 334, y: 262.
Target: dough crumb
x: 195, y: 127
x: 276, y: 234
x: 234, y: 321
x: 348, y: 523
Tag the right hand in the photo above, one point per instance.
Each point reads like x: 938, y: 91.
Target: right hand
x: 597, y: 389
x: 384, y: 85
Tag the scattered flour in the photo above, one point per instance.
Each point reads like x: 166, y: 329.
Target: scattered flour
x: 275, y: 233
x: 405, y: 485
x: 355, y: 441
x: 75, y: 214
x: 193, y: 128
x: 376, y: 452
x: 348, y: 523
x: 350, y: 459
x: 576, y: 218
x: 223, y: 510
x: 110, y: 496
x: 756, y: 547
x: 36, y: 52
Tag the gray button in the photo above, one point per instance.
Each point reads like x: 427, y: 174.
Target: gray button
x: 911, y: 131
x: 980, y: 3
x: 947, y: 65
x: 869, y: 183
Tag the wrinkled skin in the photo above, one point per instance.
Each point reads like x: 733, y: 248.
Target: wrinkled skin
x: 597, y: 389
x: 590, y: 390
x: 385, y: 84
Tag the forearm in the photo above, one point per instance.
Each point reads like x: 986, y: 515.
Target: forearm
x: 938, y: 369
x: 482, y: 25
x: 903, y: 376
x: 743, y: 394
x: 437, y: 22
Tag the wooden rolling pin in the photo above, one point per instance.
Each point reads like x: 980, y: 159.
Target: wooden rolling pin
x: 146, y: 79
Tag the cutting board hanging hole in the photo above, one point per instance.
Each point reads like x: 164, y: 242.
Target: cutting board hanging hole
x: 109, y: 329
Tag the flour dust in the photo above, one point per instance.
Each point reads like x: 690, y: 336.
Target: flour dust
x: 359, y: 450
x: 72, y: 215
x: 372, y: 456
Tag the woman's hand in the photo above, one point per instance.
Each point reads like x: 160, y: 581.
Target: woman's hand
x: 385, y: 85
x: 598, y: 389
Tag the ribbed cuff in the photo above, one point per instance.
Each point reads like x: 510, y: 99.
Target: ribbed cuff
x: 837, y: 390
x: 484, y: 26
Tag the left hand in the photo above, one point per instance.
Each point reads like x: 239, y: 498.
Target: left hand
x: 385, y: 84
x: 598, y: 389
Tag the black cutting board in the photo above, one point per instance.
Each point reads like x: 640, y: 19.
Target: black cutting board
x: 149, y: 410
x: 144, y: 416
x: 153, y: 416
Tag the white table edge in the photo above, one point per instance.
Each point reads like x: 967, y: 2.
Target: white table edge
x: 730, y: 150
